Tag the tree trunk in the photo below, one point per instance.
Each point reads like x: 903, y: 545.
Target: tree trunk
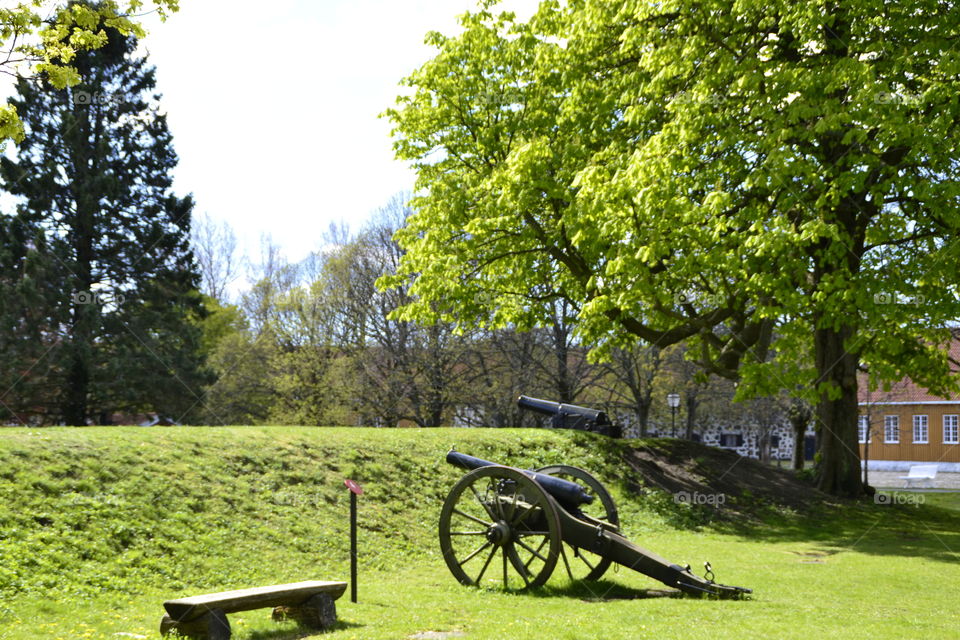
x: 78, y: 384
x: 562, y: 361
x: 643, y: 417
x: 799, y: 435
x: 82, y: 225
x: 866, y: 453
x: 838, y: 468
x: 799, y: 415
x: 77, y: 392
x: 764, y: 445
x: 693, y: 404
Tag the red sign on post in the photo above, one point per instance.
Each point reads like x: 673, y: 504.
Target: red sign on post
x: 353, y: 486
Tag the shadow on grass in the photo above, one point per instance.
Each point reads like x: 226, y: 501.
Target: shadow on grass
x: 600, y: 591
x: 918, y: 530
x: 694, y: 487
x: 764, y: 503
x: 296, y: 632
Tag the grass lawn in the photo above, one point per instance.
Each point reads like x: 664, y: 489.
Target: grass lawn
x: 98, y: 526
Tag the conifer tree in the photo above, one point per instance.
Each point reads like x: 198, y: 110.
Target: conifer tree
x: 93, y: 181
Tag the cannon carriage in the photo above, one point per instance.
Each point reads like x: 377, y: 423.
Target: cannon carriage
x: 508, y: 527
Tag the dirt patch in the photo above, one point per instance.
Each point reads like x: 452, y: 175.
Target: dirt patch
x: 717, y: 478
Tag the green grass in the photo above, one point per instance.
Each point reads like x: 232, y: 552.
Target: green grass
x: 98, y: 526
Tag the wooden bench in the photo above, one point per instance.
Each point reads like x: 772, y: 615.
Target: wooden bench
x: 920, y: 473
x: 204, y: 617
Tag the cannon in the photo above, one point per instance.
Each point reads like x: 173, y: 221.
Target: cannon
x: 514, y: 525
x: 571, y: 416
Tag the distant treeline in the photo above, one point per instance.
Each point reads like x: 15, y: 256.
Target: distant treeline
x: 316, y: 343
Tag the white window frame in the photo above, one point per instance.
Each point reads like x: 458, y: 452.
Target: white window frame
x: 891, y: 425
x: 863, y: 430
x: 921, y: 427
x: 736, y: 437
x: 951, y: 429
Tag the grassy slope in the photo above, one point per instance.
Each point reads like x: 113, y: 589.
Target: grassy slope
x: 99, y: 526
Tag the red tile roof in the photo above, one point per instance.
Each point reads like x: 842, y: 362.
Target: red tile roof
x: 906, y: 391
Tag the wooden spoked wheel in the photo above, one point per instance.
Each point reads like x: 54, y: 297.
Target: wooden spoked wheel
x: 499, y: 528
x: 579, y: 563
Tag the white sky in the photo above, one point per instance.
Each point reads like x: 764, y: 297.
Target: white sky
x: 273, y: 107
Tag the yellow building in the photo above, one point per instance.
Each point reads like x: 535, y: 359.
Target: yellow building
x: 906, y: 425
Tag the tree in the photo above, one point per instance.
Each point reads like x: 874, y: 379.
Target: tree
x: 93, y: 182
x: 304, y: 328
x: 215, y: 247
x: 324, y: 348
x: 407, y: 371
x: 704, y: 171
x: 29, y: 339
x: 563, y: 363
x: 244, y: 390
x: 273, y: 277
x: 498, y: 366
x: 42, y: 39
x: 630, y: 381
x: 799, y: 414
x: 763, y: 415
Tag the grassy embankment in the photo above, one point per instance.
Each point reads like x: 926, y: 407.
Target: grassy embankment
x: 98, y: 526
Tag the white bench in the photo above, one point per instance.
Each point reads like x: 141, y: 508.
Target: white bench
x: 920, y: 473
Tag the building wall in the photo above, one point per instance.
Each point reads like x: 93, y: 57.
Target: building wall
x: 712, y: 435
x: 934, y: 451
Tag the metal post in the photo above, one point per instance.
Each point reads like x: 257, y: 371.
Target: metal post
x: 355, y: 490
x: 673, y: 400
x: 353, y: 547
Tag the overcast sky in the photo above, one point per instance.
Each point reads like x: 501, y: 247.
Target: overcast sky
x: 273, y: 107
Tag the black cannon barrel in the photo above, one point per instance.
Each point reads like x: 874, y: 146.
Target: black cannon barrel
x: 549, y: 408
x: 569, y: 494
x: 545, y: 407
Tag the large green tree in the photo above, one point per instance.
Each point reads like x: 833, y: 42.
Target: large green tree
x: 93, y: 182
x: 765, y: 178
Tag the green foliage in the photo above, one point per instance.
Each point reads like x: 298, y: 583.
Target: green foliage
x: 598, y: 154
x: 806, y: 474
x: 48, y: 36
x: 725, y: 172
x: 219, y: 321
x: 242, y: 391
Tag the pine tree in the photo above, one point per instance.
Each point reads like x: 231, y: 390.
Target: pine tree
x: 93, y: 177
x: 29, y: 336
